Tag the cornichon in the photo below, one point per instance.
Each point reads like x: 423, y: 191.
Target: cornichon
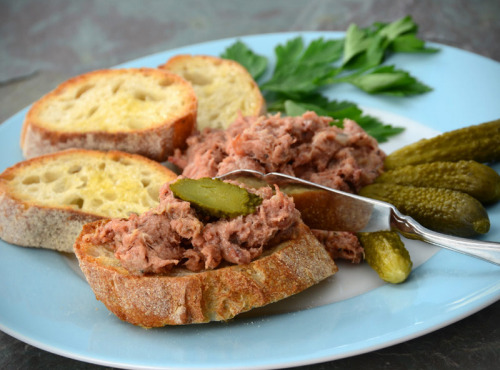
x: 386, y: 253
x: 480, y: 143
x: 443, y: 210
x: 471, y: 177
x: 216, y: 198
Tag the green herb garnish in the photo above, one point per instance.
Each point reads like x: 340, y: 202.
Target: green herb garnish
x: 255, y: 64
x: 301, y: 71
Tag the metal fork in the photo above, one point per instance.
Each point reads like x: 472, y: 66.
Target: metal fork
x: 356, y: 213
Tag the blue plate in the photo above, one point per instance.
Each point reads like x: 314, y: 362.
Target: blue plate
x: 45, y: 302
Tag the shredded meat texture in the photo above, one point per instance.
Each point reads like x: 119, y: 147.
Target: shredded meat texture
x: 207, y: 151
x: 340, y: 245
x: 308, y: 147
x: 173, y: 235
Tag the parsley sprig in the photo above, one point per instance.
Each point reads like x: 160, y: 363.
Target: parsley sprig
x: 302, y: 71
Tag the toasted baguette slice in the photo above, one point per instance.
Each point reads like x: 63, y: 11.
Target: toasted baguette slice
x: 143, y: 111
x: 224, y: 88
x: 184, y: 297
x: 45, y: 201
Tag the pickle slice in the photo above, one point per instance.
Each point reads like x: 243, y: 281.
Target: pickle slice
x: 215, y: 197
x: 443, y: 210
x: 471, y: 177
x: 479, y: 142
x: 386, y: 253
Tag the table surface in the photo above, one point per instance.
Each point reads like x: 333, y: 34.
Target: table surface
x: 43, y: 43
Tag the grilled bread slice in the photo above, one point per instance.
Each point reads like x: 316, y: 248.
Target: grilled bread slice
x: 143, y: 111
x: 185, y: 297
x: 45, y: 201
x: 224, y: 88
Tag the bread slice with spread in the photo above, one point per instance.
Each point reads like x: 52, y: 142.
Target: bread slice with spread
x: 176, y: 265
x: 45, y: 201
x: 143, y: 111
x: 224, y: 88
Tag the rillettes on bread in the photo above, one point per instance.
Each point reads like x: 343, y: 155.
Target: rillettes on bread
x: 185, y: 297
x: 143, y: 111
x: 45, y: 201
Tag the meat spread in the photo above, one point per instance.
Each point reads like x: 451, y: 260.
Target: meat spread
x: 173, y: 234
x: 307, y: 146
x: 340, y: 245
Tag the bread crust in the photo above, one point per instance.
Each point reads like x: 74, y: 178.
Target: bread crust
x: 157, y: 141
x: 31, y: 224
x: 184, y: 297
x: 224, y: 88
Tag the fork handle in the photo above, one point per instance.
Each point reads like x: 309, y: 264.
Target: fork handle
x: 487, y: 251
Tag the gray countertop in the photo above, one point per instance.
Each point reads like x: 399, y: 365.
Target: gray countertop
x: 43, y: 43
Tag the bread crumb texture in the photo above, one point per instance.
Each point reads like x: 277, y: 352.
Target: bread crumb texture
x: 114, y: 101
x: 112, y: 184
x: 224, y: 88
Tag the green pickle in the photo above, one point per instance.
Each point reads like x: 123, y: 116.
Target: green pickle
x: 443, y: 210
x: 471, y: 177
x: 216, y: 198
x: 480, y: 143
x: 385, y: 252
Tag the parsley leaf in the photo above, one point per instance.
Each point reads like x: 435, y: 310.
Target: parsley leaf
x: 355, y: 44
x: 323, y: 106
x: 409, y: 44
x: 377, y: 129
x: 301, y: 70
x: 397, y: 28
x: 255, y: 64
x: 368, y: 47
x: 389, y: 81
